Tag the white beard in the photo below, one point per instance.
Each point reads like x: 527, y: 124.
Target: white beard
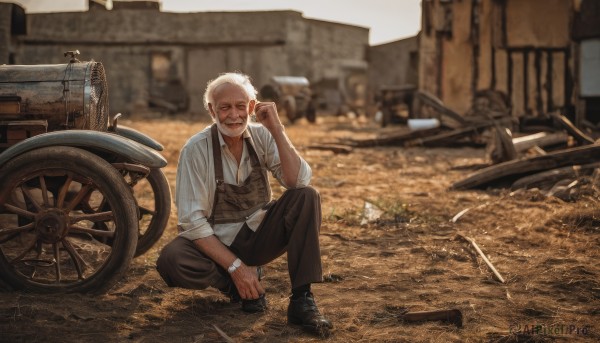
x: 231, y: 132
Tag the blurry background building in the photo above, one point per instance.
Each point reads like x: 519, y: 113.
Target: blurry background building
x: 161, y: 59
x: 393, y: 74
x: 544, y: 55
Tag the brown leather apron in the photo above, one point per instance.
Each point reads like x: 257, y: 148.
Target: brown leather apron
x: 233, y: 203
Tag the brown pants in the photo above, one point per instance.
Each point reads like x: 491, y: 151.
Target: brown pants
x: 292, y: 224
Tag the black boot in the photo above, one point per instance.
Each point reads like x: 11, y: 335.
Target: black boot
x: 303, y: 311
x: 249, y: 306
x: 255, y: 305
x: 231, y: 292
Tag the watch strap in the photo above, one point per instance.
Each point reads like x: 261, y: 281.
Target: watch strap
x: 234, y: 266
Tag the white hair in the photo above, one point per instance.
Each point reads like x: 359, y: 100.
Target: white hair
x: 238, y: 79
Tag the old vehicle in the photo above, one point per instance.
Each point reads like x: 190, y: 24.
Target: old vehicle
x: 79, y: 196
x: 291, y: 94
x: 395, y: 103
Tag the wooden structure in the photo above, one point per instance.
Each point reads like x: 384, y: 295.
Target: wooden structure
x: 504, y: 45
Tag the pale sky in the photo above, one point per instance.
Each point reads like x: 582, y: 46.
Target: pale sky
x: 388, y: 20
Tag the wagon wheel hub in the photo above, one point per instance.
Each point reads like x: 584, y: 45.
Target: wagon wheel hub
x: 52, y: 225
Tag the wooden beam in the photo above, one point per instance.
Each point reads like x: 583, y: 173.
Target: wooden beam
x: 581, y: 137
x: 502, y: 148
x: 548, y: 178
x: 447, y: 135
x: 431, y: 100
x: 540, y: 139
x: 393, y: 139
x: 504, y: 174
x: 335, y: 148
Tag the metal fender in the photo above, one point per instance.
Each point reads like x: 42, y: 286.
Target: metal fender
x: 138, y: 136
x: 89, y: 140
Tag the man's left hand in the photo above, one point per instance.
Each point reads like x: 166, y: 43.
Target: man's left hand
x: 246, y: 280
x: 266, y: 114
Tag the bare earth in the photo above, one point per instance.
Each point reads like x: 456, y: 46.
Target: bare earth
x: 410, y: 258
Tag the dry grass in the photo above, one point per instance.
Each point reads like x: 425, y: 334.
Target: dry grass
x: 546, y: 249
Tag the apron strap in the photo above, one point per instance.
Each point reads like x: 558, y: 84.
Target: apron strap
x: 218, y: 165
x: 217, y: 160
x: 252, y: 153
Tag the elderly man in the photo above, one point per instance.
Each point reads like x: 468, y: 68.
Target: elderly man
x: 228, y: 224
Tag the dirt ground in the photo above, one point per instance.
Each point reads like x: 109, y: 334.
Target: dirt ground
x: 412, y: 258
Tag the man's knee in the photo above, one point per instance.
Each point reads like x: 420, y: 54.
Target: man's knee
x: 167, y: 260
x: 308, y: 192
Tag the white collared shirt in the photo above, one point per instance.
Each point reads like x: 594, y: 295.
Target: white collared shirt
x: 195, y: 185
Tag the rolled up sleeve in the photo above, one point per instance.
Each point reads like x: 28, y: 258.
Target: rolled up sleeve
x: 304, y: 175
x: 192, y: 196
x: 196, y: 229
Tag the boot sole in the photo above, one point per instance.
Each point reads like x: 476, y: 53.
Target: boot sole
x: 323, y: 331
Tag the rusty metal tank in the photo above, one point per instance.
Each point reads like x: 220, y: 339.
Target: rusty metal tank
x: 59, y: 96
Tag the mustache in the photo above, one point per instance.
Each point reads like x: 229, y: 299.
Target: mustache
x: 239, y: 121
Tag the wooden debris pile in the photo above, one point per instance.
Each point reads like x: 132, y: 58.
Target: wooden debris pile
x: 567, y: 173
x: 559, y: 159
x: 489, y: 110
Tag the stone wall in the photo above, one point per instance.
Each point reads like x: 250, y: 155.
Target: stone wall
x: 146, y: 26
x: 138, y: 46
x: 5, y: 32
x: 393, y: 64
x: 338, y: 64
x: 12, y: 25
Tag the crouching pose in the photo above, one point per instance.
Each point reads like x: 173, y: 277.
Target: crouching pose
x: 228, y: 225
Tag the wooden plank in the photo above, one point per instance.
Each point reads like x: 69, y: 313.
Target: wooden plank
x: 335, y: 148
x: 393, y: 139
x: 540, y: 139
x: 581, y: 137
x: 453, y: 316
x: 518, y: 80
x: 558, y: 79
x: 449, y: 135
x: 431, y: 100
x: 500, y: 147
x: 507, y: 172
x: 548, y: 178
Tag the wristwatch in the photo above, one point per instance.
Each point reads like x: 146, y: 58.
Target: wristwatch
x: 235, y: 265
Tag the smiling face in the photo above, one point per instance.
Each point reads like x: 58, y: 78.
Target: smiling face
x: 230, y: 109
